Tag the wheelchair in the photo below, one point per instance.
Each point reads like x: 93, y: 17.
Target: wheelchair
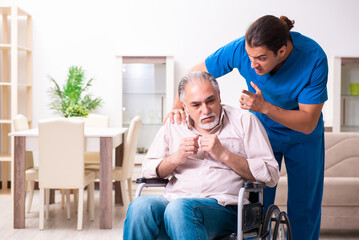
x: 251, y: 222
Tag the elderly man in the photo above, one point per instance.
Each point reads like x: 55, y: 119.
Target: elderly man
x: 207, y: 159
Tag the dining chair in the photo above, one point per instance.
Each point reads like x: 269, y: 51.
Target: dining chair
x: 31, y: 172
x: 91, y: 158
x: 61, y: 164
x: 124, y: 173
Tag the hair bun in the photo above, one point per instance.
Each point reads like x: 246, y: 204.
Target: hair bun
x: 290, y: 23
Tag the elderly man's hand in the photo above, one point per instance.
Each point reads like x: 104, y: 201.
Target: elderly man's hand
x: 177, y: 114
x: 211, y: 144
x: 188, y: 147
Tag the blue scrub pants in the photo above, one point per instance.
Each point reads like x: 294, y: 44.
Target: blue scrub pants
x: 154, y: 217
x: 305, y: 168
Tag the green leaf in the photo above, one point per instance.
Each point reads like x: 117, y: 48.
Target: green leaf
x: 72, y: 99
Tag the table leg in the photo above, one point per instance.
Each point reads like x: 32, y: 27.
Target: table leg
x: 118, y: 194
x: 19, y: 183
x: 52, y: 196
x: 4, y: 167
x: 106, y: 146
x: 119, y: 151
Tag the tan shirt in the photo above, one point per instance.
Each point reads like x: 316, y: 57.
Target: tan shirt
x: 240, y: 132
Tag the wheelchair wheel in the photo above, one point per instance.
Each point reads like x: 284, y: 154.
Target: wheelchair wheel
x: 282, y: 227
x: 276, y: 225
x: 271, y: 216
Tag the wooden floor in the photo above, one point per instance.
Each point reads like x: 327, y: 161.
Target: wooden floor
x: 59, y: 228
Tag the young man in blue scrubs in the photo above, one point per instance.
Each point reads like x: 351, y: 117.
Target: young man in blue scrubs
x: 286, y: 74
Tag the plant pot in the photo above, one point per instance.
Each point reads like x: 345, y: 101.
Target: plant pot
x: 77, y: 118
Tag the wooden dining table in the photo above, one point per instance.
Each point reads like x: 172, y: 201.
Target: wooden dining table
x: 107, y: 141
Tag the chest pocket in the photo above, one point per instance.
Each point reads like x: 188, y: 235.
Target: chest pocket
x: 234, y: 145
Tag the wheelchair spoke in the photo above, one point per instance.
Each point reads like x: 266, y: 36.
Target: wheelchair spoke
x: 282, y: 232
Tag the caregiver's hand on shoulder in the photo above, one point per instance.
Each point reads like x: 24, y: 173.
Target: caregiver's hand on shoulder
x: 176, y: 114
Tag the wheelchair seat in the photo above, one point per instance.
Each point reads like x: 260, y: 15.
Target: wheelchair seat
x: 251, y: 220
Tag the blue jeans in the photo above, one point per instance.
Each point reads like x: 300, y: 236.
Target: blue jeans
x: 154, y: 217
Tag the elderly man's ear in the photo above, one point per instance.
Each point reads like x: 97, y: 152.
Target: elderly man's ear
x: 184, y: 107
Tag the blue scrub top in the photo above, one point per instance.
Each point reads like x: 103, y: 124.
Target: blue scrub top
x: 301, y: 79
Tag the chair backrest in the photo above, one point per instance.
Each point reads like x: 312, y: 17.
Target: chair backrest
x: 341, y: 154
x: 61, y: 153
x: 20, y: 123
x: 130, y: 146
x: 97, y: 121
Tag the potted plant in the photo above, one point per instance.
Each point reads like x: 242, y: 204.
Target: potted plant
x: 73, y: 100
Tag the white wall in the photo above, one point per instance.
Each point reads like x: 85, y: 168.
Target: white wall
x: 91, y: 33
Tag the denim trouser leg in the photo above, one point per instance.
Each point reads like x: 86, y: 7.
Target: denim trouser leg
x: 199, y: 218
x: 144, y: 219
x: 186, y: 219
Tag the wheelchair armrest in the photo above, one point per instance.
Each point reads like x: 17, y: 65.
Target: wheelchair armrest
x: 253, y: 185
x: 149, y: 182
x: 152, y: 180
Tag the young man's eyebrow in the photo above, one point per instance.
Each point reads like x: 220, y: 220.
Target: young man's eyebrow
x: 263, y: 55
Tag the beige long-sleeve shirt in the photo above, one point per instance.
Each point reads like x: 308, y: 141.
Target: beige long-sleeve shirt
x: 240, y: 132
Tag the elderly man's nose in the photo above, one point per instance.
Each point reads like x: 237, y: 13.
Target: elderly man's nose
x: 205, y: 109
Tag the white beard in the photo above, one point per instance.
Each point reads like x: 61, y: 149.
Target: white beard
x: 210, y: 125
